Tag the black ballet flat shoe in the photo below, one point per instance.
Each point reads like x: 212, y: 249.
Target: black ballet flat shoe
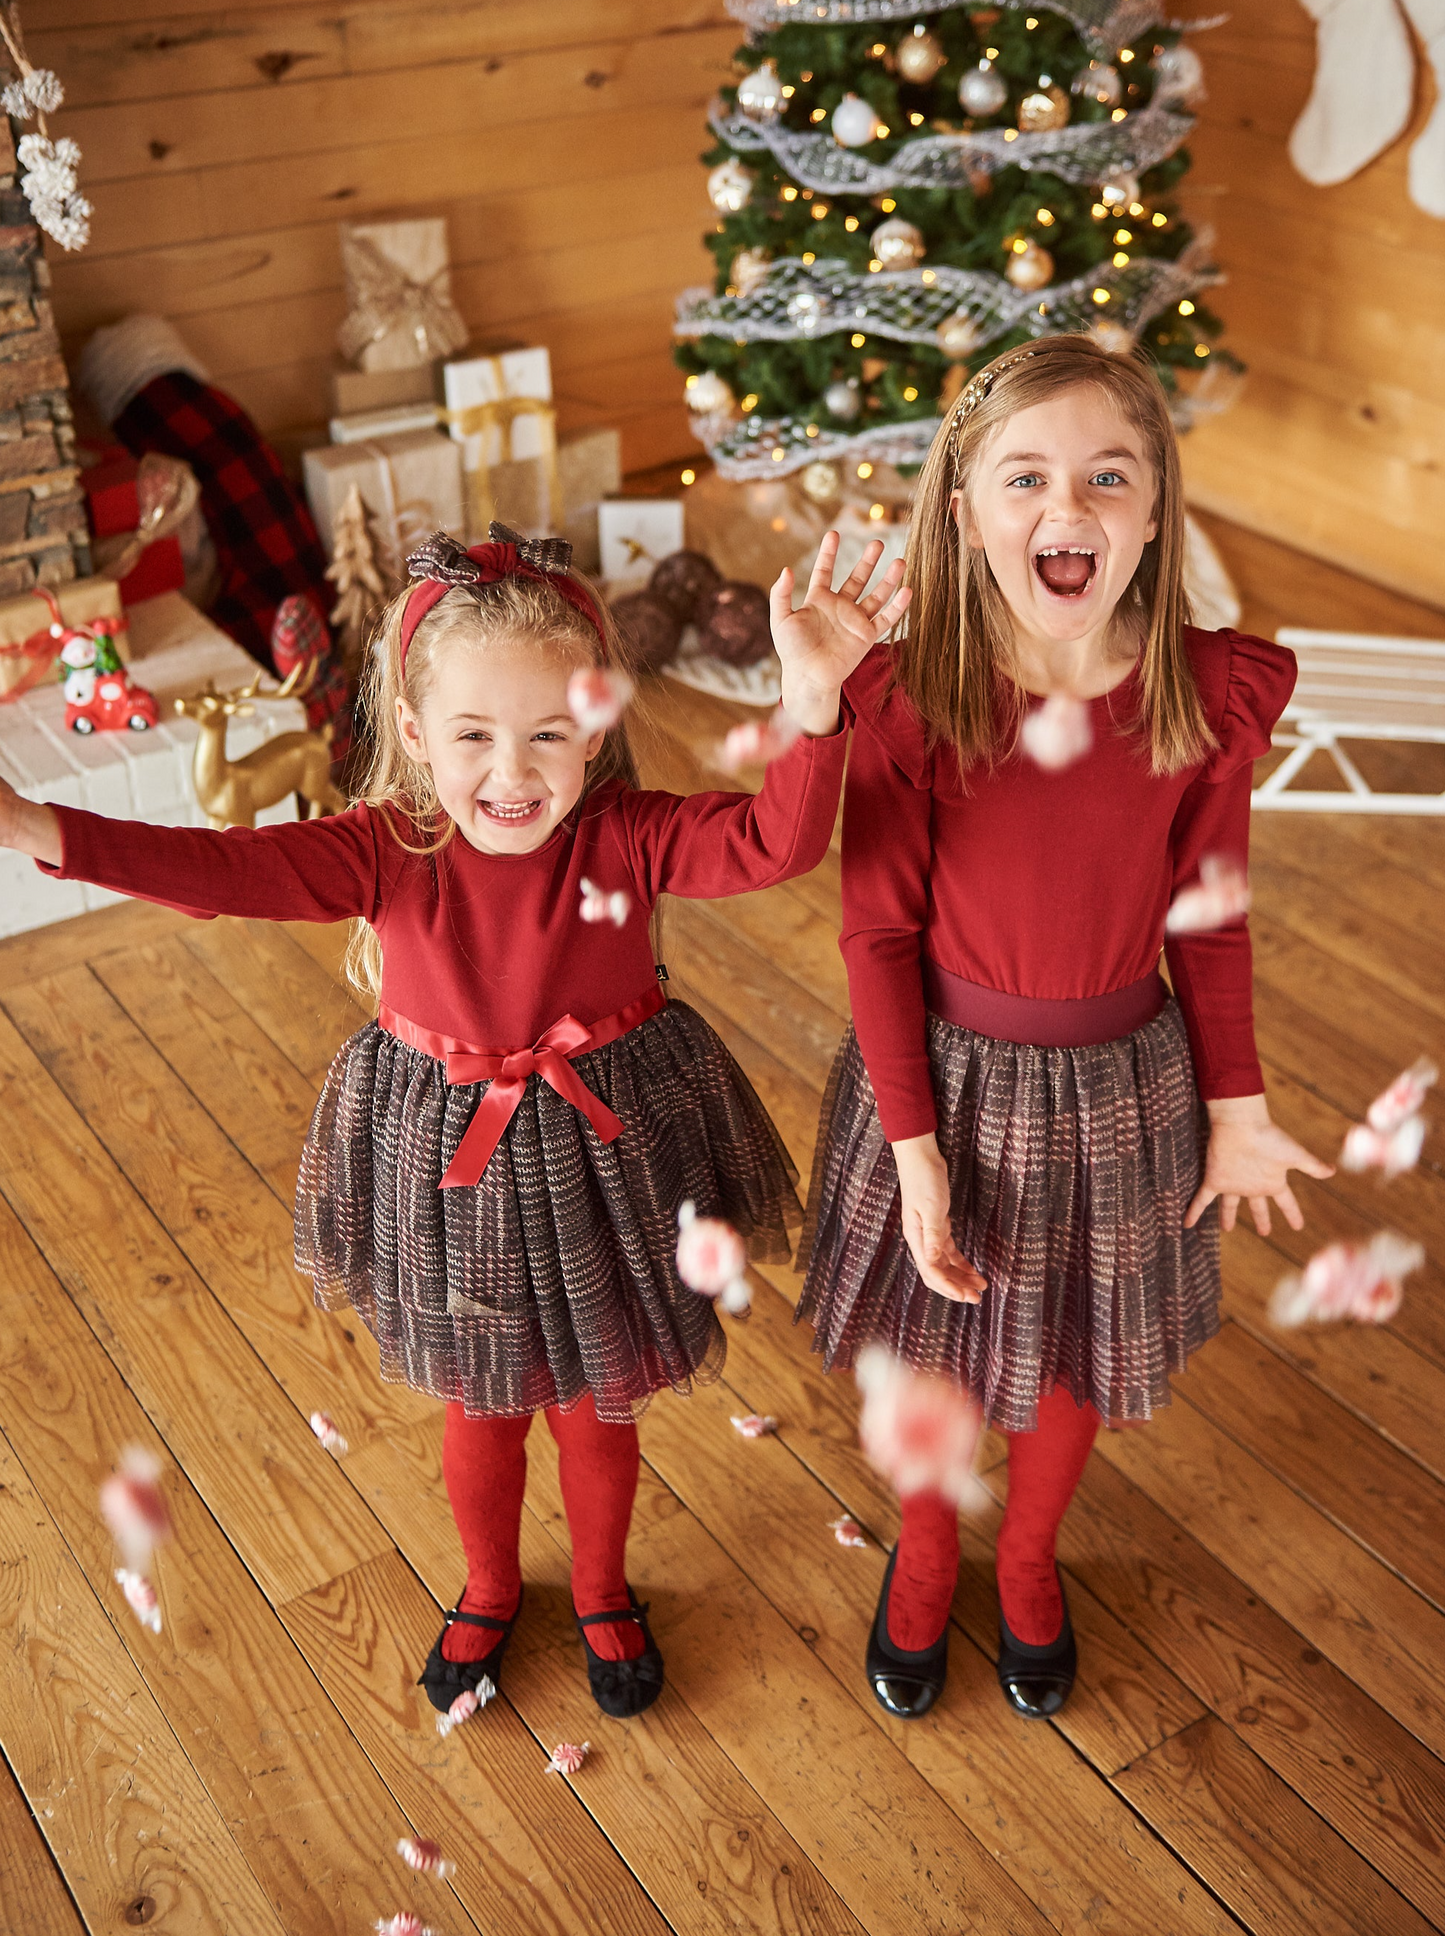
x: 904, y: 1684
x: 444, y: 1679
x: 622, y: 1687
x: 1036, y: 1681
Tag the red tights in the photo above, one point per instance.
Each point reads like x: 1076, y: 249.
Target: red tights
x: 484, y: 1463
x: 1044, y: 1469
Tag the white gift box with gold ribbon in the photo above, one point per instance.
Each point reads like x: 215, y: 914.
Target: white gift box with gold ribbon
x: 498, y: 408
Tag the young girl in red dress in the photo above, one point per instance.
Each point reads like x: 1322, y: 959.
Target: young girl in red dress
x: 1025, y: 1132
x: 494, y: 1172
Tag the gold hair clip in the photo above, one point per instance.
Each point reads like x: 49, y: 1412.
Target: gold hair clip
x: 974, y: 392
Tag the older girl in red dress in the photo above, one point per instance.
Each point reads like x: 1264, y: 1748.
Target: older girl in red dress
x: 1026, y: 1132
x: 495, y: 1169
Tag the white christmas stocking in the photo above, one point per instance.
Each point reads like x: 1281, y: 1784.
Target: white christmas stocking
x: 1364, y: 83
x: 1427, y: 157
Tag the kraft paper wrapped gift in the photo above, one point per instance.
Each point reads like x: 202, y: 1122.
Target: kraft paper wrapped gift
x: 27, y: 651
x: 400, y: 313
x: 354, y: 391
x: 498, y: 408
x: 589, y: 469
x: 410, y: 484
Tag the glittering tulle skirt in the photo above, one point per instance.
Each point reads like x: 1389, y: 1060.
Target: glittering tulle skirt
x: 1072, y: 1170
x: 555, y: 1275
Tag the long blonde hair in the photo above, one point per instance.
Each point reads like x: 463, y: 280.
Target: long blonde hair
x: 956, y: 662
x: 475, y: 616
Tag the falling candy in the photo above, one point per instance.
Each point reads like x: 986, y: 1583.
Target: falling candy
x: 133, y: 1508
x: 754, y: 1426
x: 597, y: 698
x: 324, y: 1428
x: 1404, y: 1097
x: 465, y: 1706
x: 418, y: 1853
x: 140, y: 1597
x: 1221, y: 896
x: 711, y: 1259
x: 920, y: 1431
x: 1057, y: 733
x: 404, y: 1923
x: 597, y: 905
x: 567, y: 1758
x: 1394, y: 1151
x: 1360, y: 1281
x: 757, y: 741
x: 847, y: 1531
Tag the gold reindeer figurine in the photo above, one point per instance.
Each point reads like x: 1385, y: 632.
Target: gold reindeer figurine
x: 232, y: 792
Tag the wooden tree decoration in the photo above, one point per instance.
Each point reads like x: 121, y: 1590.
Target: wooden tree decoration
x: 357, y: 576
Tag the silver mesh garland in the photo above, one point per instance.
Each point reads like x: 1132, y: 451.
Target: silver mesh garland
x: 1105, y: 24
x: 773, y: 446
x: 1087, y: 151
x: 797, y: 299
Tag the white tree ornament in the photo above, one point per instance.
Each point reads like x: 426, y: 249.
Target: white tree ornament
x: 1363, y: 92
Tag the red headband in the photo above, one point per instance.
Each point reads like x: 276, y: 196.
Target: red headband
x: 442, y: 564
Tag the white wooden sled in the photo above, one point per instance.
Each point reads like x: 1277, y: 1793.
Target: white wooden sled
x: 1354, y: 686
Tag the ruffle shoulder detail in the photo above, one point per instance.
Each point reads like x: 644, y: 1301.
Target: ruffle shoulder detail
x: 1245, y: 684
x: 879, y: 706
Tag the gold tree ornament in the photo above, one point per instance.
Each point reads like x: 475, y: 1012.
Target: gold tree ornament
x: 357, y: 575
x: 1029, y: 266
x: 920, y: 55
x: 1044, y: 108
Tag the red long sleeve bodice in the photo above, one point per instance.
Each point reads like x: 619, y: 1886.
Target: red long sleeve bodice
x: 490, y: 949
x: 1050, y: 885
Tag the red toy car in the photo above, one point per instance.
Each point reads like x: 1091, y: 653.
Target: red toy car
x: 113, y: 703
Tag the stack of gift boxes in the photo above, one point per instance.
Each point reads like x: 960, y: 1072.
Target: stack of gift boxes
x: 440, y: 435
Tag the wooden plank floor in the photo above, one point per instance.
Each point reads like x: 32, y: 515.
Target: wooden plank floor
x: 1257, y: 1740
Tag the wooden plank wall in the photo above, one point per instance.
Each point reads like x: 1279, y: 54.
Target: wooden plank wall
x: 1334, y: 301
x: 560, y: 137
x: 222, y: 144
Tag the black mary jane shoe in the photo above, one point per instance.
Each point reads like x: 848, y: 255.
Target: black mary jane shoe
x: 904, y: 1684
x: 444, y: 1679
x: 622, y: 1688
x: 1036, y: 1681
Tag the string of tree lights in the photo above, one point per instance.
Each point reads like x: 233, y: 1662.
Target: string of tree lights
x: 905, y: 190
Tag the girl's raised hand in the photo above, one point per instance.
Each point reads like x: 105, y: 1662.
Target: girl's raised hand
x: 1250, y: 1157
x: 832, y: 631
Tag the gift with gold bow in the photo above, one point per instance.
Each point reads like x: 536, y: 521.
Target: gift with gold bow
x: 400, y: 313
x: 498, y: 407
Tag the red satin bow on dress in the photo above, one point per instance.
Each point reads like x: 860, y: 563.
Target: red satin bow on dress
x: 508, y: 1072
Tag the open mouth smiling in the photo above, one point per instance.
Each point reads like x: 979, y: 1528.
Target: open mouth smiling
x: 510, y: 813
x: 1067, y: 571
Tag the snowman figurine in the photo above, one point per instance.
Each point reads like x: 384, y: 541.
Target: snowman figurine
x: 78, y: 656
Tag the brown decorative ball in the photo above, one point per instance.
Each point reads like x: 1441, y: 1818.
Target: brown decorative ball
x: 682, y: 580
x: 732, y: 624
x: 648, y: 627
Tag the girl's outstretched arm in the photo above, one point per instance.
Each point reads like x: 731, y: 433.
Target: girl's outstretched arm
x: 311, y: 870
x: 29, y: 827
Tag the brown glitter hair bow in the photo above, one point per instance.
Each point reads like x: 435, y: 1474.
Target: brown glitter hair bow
x: 441, y: 564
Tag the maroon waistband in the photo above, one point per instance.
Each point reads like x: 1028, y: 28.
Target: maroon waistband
x: 1074, y: 1024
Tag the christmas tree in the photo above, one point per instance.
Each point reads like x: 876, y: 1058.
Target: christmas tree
x: 905, y: 190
